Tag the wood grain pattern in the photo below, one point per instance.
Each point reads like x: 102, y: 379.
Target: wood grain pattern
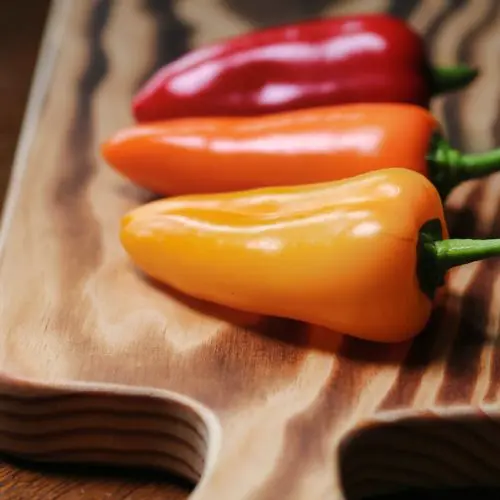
x: 99, y: 365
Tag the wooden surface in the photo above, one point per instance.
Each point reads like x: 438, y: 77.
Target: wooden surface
x: 88, y: 349
x: 21, y: 25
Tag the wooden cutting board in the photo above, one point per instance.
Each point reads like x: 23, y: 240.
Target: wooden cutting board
x: 98, y: 365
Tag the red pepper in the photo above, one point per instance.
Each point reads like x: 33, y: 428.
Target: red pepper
x: 363, y: 58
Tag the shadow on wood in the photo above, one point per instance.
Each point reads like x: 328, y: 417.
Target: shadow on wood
x: 430, y: 451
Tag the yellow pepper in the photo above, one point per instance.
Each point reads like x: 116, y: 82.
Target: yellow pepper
x: 362, y: 256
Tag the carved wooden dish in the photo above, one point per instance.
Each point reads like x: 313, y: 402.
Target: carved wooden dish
x: 100, y: 365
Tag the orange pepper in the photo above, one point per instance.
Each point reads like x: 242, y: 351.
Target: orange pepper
x: 363, y: 256
x: 206, y: 155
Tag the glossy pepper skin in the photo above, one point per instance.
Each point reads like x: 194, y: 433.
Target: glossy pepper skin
x: 362, y: 58
x: 218, y: 154
x: 364, y: 256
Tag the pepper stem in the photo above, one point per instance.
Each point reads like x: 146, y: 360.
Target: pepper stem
x: 457, y: 252
x: 479, y: 164
x: 449, y: 167
x: 435, y: 256
x: 448, y: 79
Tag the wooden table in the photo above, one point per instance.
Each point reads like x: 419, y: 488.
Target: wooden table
x: 21, y: 24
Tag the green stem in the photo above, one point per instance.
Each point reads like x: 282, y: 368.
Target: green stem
x: 452, y: 253
x: 449, y: 167
x: 479, y: 164
x: 448, y: 79
x: 435, y: 256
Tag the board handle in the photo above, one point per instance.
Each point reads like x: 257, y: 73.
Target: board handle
x: 104, y: 424
x: 140, y: 427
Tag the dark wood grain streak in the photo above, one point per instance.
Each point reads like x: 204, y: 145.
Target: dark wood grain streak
x: 422, y: 351
x: 101, y: 401
x: 496, y: 126
x: 173, y: 34
x: 462, y: 223
x: 402, y: 9
x: 433, y: 30
x: 493, y: 391
x: 464, y: 361
x: 144, y: 456
x: 486, y: 278
x: 302, y: 449
x: 451, y: 117
x: 452, y: 105
x: 81, y: 250
x: 56, y: 410
x: 43, y: 435
x: 313, y: 8
x: 172, y: 40
x: 263, y: 13
x: 71, y: 208
x: 77, y: 175
x: 61, y: 416
x: 307, y: 430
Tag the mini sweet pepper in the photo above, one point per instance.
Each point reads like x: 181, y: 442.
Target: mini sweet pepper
x: 356, y: 58
x: 203, y: 155
x: 363, y: 256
